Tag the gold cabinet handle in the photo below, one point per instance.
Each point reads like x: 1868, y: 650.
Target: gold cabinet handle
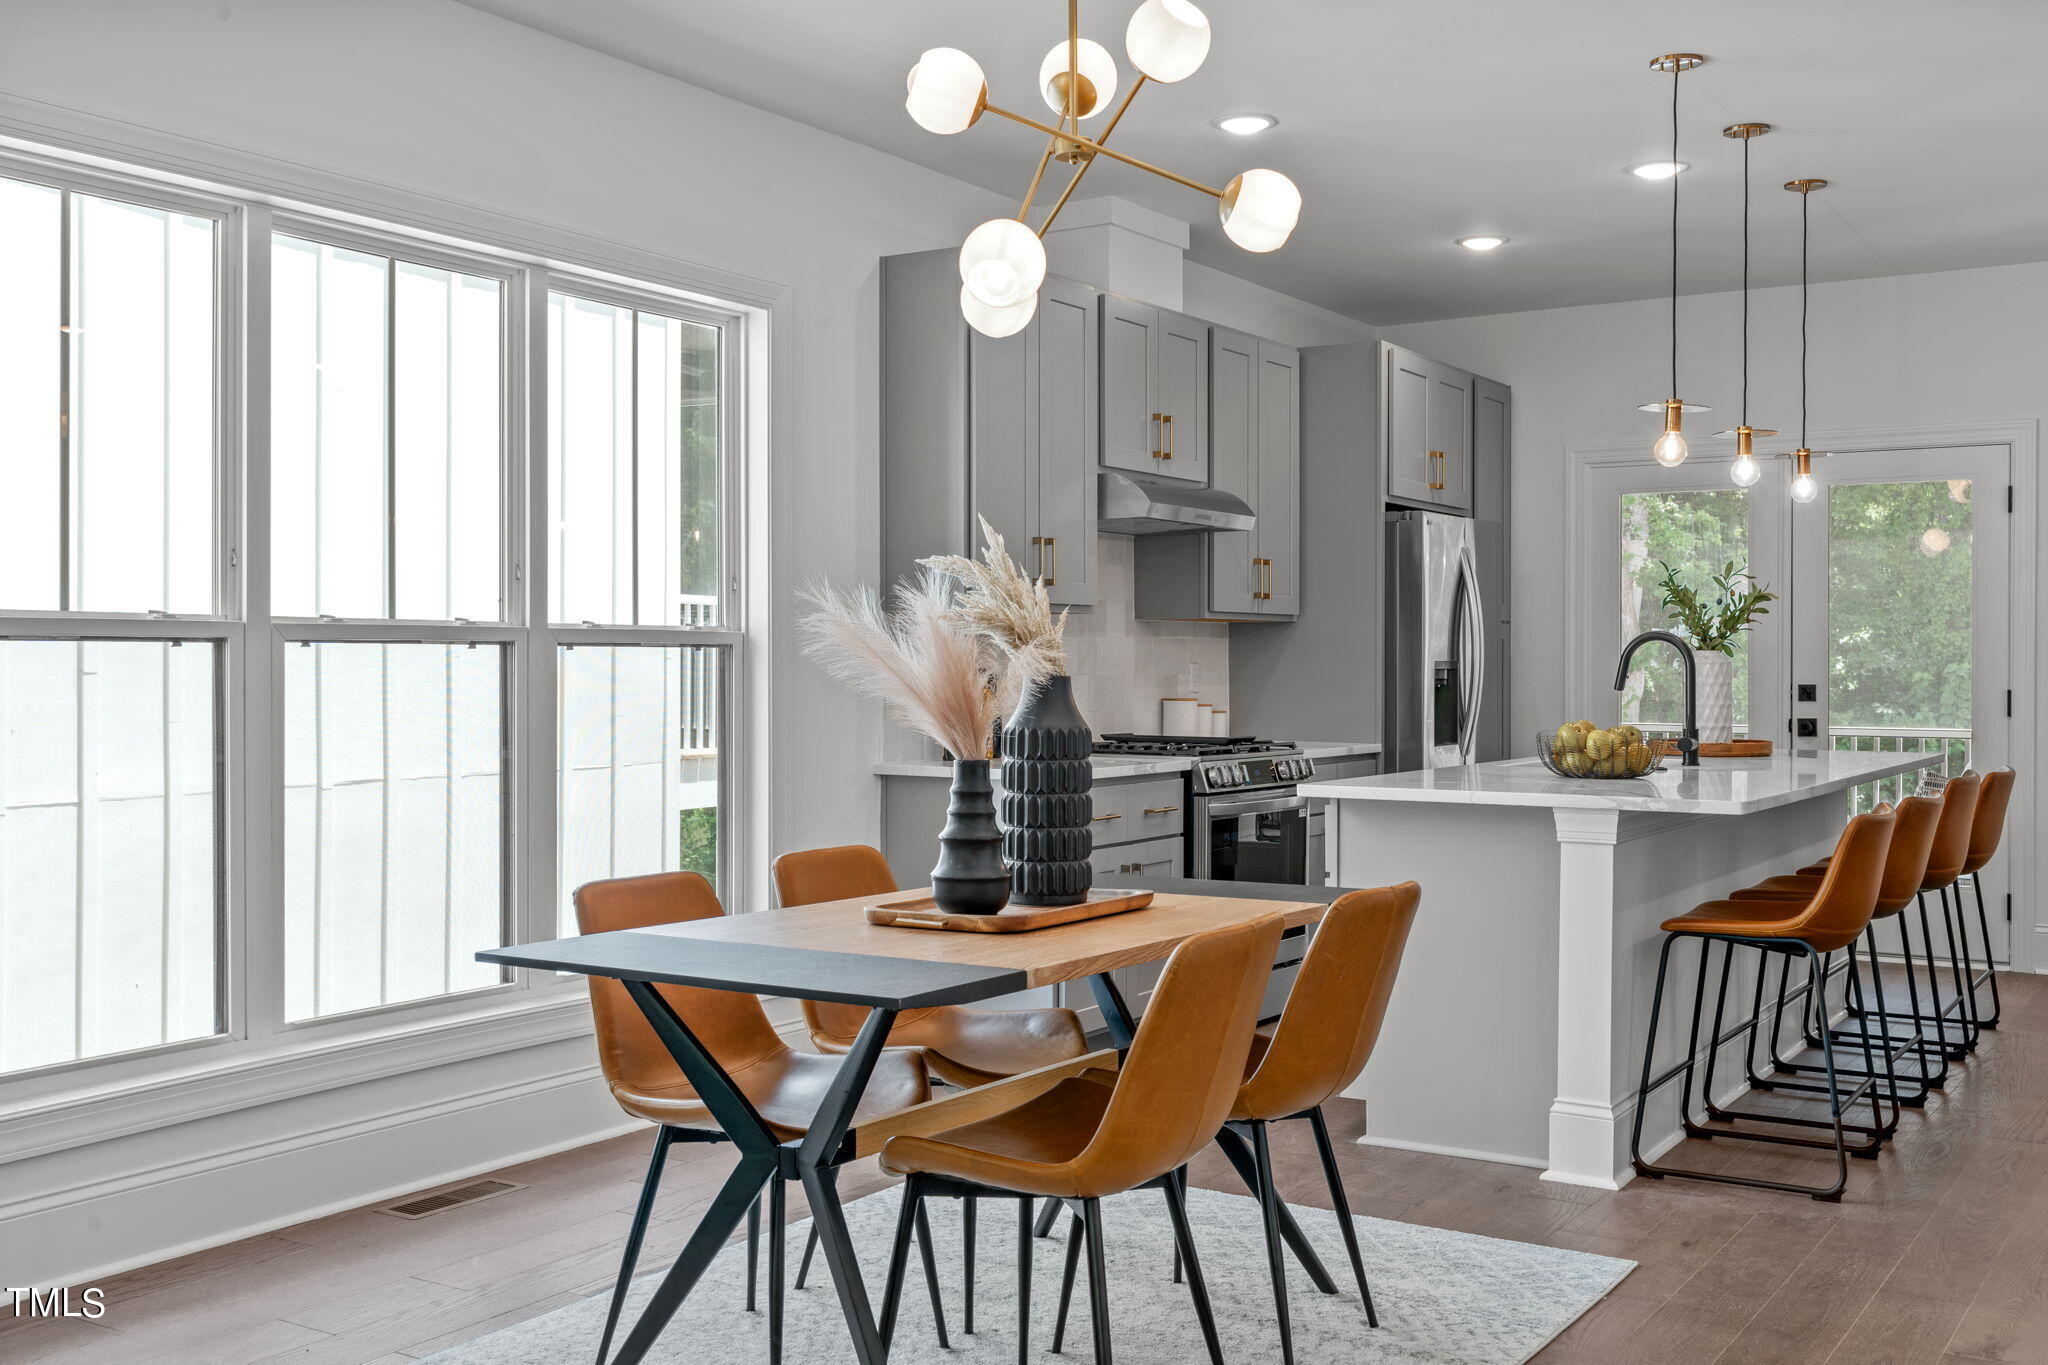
x: 1100, y: 818
x: 1169, y: 435
x: 1048, y: 558
x: 1436, y: 477
x: 1264, y: 569
x: 1160, y: 810
x: 1158, y: 435
x: 1269, y: 580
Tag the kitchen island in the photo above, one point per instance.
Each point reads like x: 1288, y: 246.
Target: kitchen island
x: 1517, y: 1025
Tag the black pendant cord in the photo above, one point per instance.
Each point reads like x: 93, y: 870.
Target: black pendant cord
x: 1676, y: 67
x: 1745, y: 280
x: 1805, y: 225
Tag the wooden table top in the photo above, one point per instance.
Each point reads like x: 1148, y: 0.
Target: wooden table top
x: 1063, y: 953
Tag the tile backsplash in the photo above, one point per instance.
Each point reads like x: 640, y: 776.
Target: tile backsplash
x: 1122, y: 666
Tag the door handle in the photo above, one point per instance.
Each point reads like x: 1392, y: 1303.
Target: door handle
x: 1048, y: 558
x: 1436, y: 473
x: 1158, y: 435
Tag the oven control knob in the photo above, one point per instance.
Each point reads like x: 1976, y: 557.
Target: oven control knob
x: 1238, y: 775
x: 1219, y: 776
x: 1304, y: 767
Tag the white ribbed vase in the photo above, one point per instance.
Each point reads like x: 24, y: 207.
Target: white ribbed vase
x: 1716, y: 684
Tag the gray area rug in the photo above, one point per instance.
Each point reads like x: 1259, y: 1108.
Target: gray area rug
x: 1442, y: 1296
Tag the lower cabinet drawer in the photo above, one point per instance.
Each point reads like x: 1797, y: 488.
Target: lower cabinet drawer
x: 1126, y: 812
x: 1152, y: 857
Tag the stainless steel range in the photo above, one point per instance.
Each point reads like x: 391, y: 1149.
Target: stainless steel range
x: 1245, y: 821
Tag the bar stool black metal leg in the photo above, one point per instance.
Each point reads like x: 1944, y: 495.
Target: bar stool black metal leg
x: 753, y: 1249
x: 1990, y: 971
x: 1341, y: 1202
x: 967, y: 1287
x: 1635, y: 1136
x: 1098, y: 1280
x: 663, y: 1136
x: 778, y: 1214
x: 1075, y: 1235
x: 1024, y: 1241
x: 1184, y: 1243
x: 1827, y: 1052
x: 1958, y: 926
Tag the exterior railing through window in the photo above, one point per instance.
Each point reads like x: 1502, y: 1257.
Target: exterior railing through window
x: 1951, y: 746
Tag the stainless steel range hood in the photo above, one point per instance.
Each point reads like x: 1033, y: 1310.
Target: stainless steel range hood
x: 1134, y: 505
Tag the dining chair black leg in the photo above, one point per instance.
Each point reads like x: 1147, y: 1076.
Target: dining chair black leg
x: 967, y: 1288
x: 1098, y: 1280
x: 1342, y: 1204
x: 1047, y: 1216
x: 931, y: 1273
x: 899, y: 1258
x: 778, y: 1213
x: 1239, y: 1151
x: 1276, y: 1261
x: 1184, y: 1244
x: 1074, y: 1239
x: 663, y: 1136
x: 803, y: 1268
x: 1024, y: 1280
x: 753, y: 1249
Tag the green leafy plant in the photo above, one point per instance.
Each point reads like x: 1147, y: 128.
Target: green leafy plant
x: 1712, y: 623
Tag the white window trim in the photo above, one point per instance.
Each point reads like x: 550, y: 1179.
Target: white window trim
x: 257, y: 1058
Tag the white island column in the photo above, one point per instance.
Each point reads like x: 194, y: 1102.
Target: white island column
x: 1517, y: 1023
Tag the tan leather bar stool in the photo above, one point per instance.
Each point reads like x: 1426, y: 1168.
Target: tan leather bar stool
x: 962, y: 1046
x: 784, y: 1085
x: 1835, y: 917
x: 1905, y: 868
x: 1098, y: 1135
x: 1986, y: 829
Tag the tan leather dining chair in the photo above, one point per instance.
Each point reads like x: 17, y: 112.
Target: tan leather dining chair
x: 1101, y: 1134
x: 784, y: 1085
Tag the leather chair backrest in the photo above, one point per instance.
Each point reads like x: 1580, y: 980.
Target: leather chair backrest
x: 732, y: 1025
x: 835, y: 874
x: 1333, y: 1015
x: 1905, y: 866
x: 1848, y: 890
x: 1952, y: 833
x: 1180, y: 1077
x: 1988, y: 824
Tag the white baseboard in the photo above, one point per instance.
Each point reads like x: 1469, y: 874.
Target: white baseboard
x: 1402, y: 1144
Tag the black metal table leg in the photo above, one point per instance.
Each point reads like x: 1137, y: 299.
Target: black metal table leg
x: 815, y: 1157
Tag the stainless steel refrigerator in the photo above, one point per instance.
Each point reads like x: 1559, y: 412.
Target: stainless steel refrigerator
x: 1437, y: 629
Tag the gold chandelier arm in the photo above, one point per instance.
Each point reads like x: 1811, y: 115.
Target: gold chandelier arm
x: 1038, y: 176
x: 1082, y: 169
x: 1094, y: 146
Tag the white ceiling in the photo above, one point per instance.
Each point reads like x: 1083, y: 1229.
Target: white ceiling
x: 1409, y: 125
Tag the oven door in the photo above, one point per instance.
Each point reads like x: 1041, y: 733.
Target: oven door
x: 1255, y: 839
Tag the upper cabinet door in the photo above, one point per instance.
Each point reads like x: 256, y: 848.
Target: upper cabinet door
x: 1182, y: 400
x: 1411, y: 469
x: 1491, y: 402
x: 1067, y: 399
x: 1002, y: 417
x: 1450, y: 435
x: 1279, y: 466
x: 1133, y: 436
x: 1234, y: 571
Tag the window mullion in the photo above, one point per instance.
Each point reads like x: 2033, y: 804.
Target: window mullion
x: 536, y: 685
x: 253, y: 958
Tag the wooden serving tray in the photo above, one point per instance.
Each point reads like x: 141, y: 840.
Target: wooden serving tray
x: 1734, y: 748
x: 915, y: 910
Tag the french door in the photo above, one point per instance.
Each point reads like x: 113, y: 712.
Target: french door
x: 1892, y: 632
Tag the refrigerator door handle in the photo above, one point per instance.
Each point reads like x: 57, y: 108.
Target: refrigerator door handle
x: 1472, y: 614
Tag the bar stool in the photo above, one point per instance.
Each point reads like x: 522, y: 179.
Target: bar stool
x: 1323, y: 1041
x: 785, y: 1086
x: 962, y: 1046
x: 1836, y: 915
x: 1097, y: 1135
x: 1905, y: 868
x: 1986, y: 829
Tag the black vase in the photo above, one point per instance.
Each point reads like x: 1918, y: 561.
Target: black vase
x: 970, y: 878
x: 1046, y: 805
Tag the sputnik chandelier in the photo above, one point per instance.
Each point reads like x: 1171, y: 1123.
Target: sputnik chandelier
x: 1002, y: 262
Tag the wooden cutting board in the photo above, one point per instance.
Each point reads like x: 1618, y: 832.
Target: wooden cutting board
x: 915, y: 910
x: 1734, y: 748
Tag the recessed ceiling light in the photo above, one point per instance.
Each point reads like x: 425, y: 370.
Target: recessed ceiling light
x: 1483, y: 242
x: 1244, y: 125
x: 1659, y: 170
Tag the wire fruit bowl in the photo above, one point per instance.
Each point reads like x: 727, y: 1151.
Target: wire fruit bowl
x: 1600, y: 755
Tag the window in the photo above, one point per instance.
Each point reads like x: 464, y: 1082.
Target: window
x: 1696, y: 532
x: 252, y: 791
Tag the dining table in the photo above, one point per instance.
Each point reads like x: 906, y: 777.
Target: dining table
x: 829, y: 951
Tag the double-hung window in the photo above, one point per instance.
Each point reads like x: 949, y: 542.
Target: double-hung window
x: 361, y: 595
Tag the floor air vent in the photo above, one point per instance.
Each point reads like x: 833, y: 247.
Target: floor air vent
x: 425, y: 1205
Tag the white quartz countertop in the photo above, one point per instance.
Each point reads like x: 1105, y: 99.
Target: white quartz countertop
x: 1719, y: 786
x: 1107, y: 769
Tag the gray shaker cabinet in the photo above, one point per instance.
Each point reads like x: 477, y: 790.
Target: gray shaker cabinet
x: 1427, y: 431
x: 1279, y: 478
x: 1154, y: 391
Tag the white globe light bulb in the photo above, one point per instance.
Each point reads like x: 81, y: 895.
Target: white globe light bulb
x: 1167, y: 39
x: 1670, y: 450
x: 996, y: 322
x: 1098, y: 77
x: 945, y: 90
x: 1002, y: 262
x: 1259, y: 210
x: 1804, y: 489
x: 1746, y: 472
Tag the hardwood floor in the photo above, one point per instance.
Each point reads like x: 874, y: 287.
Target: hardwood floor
x: 1937, y: 1253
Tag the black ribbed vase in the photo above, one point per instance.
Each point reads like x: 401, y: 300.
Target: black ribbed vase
x: 1046, y: 806
x: 970, y: 878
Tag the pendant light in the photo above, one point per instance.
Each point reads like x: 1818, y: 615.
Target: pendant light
x: 1745, y: 472
x: 1670, y: 449
x: 1804, y: 489
x: 1002, y: 262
